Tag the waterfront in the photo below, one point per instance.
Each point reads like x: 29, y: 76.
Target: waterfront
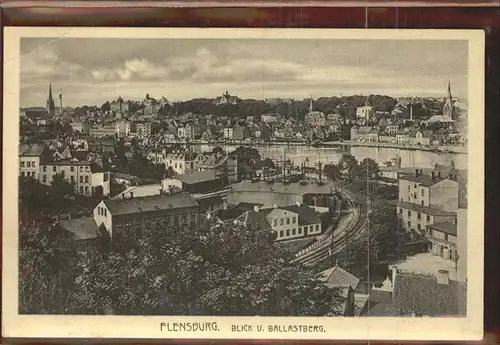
x: 299, y: 154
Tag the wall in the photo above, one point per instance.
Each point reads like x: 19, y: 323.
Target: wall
x: 444, y: 195
x: 275, y: 218
x: 101, y: 219
x: 462, y: 243
x: 98, y: 180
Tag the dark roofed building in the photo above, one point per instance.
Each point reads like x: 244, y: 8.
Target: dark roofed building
x: 336, y: 276
x: 195, y: 182
x: 255, y: 220
x: 421, y: 295
x: 136, y: 214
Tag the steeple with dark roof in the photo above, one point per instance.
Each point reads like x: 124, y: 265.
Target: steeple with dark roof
x: 51, y: 107
x: 449, y: 108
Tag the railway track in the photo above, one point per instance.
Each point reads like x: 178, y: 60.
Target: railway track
x: 322, y: 251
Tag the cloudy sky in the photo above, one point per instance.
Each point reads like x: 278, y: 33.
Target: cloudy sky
x: 93, y: 70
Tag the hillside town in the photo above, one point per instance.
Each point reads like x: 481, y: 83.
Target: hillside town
x: 110, y: 173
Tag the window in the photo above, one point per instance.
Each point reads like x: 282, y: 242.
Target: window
x: 294, y: 220
x: 282, y: 221
x: 72, y: 179
x: 419, y: 227
x: 422, y: 203
x: 72, y: 169
x: 176, y: 165
x: 54, y: 168
x: 400, y: 210
x: 44, y: 178
x: 288, y: 233
x: 33, y: 174
x: 44, y: 168
x: 81, y: 179
x: 294, y: 231
x: 106, y: 177
x: 414, y: 195
x: 419, y: 215
x: 300, y: 231
x: 86, y: 179
x: 422, y: 192
x: 288, y: 221
x: 33, y: 164
x: 428, y: 218
x: 86, y: 189
x: 281, y: 233
x: 180, y: 165
x: 275, y: 222
x: 28, y: 164
x: 446, y: 237
x: 87, y: 168
x: 81, y: 190
x: 81, y: 169
x: 409, y: 213
x: 409, y: 225
x: 22, y: 164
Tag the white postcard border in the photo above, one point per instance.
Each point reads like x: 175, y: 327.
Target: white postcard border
x: 41, y: 326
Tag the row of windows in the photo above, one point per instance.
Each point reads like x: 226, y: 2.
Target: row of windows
x: 183, y: 219
x: 102, y: 211
x: 29, y: 164
x: 419, y: 215
x: 28, y: 174
x: 298, y: 231
x: 283, y: 220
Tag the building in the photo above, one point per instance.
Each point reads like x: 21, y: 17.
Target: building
x: 122, y: 128
x: 269, y: 118
x: 426, y: 199
x: 365, y: 112
x: 287, y: 222
x: 336, y: 277
x: 205, y: 187
x: 449, y: 109
x: 241, y: 133
x: 364, y: 133
x: 443, y: 239
x: 119, y: 106
x: 228, y: 133
x: 31, y: 157
x: 226, y: 99
x: 185, y: 132
x: 418, y: 137
x: 51, y: 107
x: 103, y: 131
x: 402, y: 138
x: 143, y: 129
x: 88, y: 178
x: 126, y: 218
x: 101, y: 145
x: 224, y: 166
x: 392, y: 128
x: 426, y: 295
x: 278, y: 101
x: 314, y: 118
x: 81, y: 127
x: 183, y: 163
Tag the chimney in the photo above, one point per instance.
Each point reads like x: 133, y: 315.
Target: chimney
x: 433, y: 175
x: 256, y: 208
x: 443, y: 277
x: 131, y: 195
x: 416, y: 172
x: 421, y: 172
x: 439, y: 174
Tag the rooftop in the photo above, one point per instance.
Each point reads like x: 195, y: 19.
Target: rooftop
x: 422, y: 294
x: 140, y: 191
x: 84, y: 228
x: 31, y: 150
x: 337, y: 276
x: 150, y: 203
x: 447, y: 228
x: 307, y: 215
x: 424, y: 180
x: 197, y: 177
x: 424, y: 209
x: 278, y: 187
x: 255, y: 220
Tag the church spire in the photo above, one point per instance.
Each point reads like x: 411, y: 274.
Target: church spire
x: 51, y: 107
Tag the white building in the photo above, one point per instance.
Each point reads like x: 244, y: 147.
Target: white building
x: 183, y: 163
x: 122, y: 128
x: 365, y: 112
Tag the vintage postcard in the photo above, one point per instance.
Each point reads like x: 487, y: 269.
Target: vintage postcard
x: 243, y: 183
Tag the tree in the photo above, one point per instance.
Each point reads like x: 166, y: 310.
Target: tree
x: 246, y: 155
x: 62, y: 191
x: 209, y: 269
x: 106, y: 106
x: 332, y: 171
x: 369, y: 169
x: 46, y: 262
x: 170, y: 172
x: 218, y: 150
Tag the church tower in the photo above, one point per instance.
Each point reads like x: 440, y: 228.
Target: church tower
x: 51, y: 107
x: 449, y: 108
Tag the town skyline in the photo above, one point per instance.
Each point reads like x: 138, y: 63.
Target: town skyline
x: 100, y: 70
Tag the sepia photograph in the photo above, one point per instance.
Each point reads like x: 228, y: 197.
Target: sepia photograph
x: 185, y: 176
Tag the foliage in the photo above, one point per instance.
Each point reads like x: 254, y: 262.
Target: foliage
x: 212, y: 269
x: 46, y: 262
x: 218, y: 150
x: 106, y: 106
x: 368, y: 169
x: 246, y: 155
x: 332, y: 171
